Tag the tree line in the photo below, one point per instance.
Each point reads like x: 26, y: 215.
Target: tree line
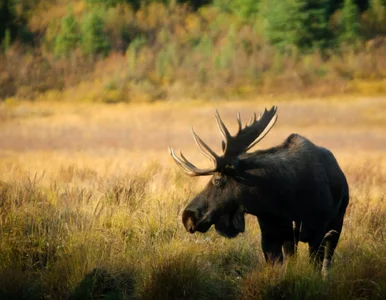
x: 166, y: 41
x: 289, y: 24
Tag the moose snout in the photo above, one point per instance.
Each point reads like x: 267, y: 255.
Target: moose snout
x: 187, y: 220
x: 195, y: 221
x: 190, y: 228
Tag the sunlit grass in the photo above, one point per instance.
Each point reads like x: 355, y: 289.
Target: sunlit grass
x: 104, y: 220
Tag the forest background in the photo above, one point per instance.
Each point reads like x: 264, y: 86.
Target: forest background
x: 131, y: 50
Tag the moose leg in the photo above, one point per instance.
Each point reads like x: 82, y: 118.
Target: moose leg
x: 271, y: 248
x: 291, y: 240
x: 289, y: 249
x: 316, y: 249
x: 275, y: 235
x: 331, y: 240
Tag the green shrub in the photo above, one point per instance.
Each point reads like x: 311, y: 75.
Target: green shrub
x: 94, y: 40
x: 68, y: 37
x: 350, y: 24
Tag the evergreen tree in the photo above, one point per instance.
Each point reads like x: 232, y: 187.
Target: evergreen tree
x: 68, y: 38
x: 318, y: 34
x: 302, y: 24
x: 94, y: 40
x: 280, y: 25
x: 7, y: 18
x: 350, y: 23
x: 245, y: 9
x: 7, y: 40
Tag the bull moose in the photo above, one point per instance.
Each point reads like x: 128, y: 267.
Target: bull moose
x: 296, y: 190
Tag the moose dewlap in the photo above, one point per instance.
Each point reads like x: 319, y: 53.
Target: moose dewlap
x: 295, y: 182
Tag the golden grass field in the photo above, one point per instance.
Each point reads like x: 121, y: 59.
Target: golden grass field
x: 91, y: 202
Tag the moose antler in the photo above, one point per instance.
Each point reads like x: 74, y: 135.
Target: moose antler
x: 245, y: 138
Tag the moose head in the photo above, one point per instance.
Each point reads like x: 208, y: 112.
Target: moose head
x: 220, y: 202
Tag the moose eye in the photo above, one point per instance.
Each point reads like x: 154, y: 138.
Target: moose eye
x: 217, y: 181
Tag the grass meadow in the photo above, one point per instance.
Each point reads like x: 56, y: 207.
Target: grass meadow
x: 91, y: 202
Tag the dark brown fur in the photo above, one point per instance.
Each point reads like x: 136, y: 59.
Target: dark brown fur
x: 296, y: 190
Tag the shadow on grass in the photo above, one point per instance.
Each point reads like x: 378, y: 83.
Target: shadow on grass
x: 185, y: 277
x: 15, y: 285
x: 100, y: 284
x: 276, y: 282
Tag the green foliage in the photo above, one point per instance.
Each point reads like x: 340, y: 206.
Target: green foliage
x: 6, y: 44
x: 245, y: 9
x: 132, y: 51
x: 299, y: 24
x: 205, y: 46
x: 227, y: 52
x: 109, y: 3
x: 350, y: 24
x: 280, y: 23
x: 8, y: 19
x: 166, y: 60
x: 94, y: 40
x: 68, y: 37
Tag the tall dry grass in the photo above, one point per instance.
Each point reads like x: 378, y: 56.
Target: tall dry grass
x: 100, y: 218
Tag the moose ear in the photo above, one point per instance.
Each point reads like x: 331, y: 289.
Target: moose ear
x: 238, y: 219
